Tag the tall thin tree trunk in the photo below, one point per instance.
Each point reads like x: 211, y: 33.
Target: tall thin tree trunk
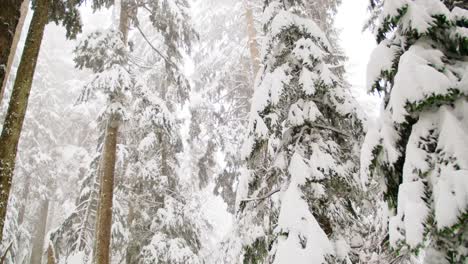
x: 107, y: 192
x: 18, y: 103
x: 11, y: 57
x: 39, y: 237
x: 104, y: 217
x: 9, y: 16
x: 24, y: 200
x: 252, y: 33
x: 21, y: 215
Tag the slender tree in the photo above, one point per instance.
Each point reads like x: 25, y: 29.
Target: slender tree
x: 252, y: 33
x: 40, y: 234
x: 45, y: 11
x: 104, y: 218
x: 19, y: 99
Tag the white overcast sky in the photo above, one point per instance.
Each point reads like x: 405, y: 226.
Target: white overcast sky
x: 358, y: 45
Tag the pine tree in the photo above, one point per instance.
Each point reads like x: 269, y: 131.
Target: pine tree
x: 298, y: 200
x: 418, y: 151
x: 166, y: 225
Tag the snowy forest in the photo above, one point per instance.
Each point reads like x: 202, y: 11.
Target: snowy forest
x: 234, y: 131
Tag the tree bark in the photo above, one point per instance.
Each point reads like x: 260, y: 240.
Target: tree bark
x: 104, y: 218
x: 103, y: 227
x: 39, y: 237
x: 50, y: 254
x: 11, y: 57
x: 18, y: 103
x: 252, y: 33
x: 10, y: 13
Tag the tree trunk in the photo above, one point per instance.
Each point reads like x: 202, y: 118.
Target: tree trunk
x: 39, y: 237
x: 252, y: 33
x: 104, y: 218
x: 24, y: 200
x: 103, y: 227
x: 11, y: 57
x: 10, y: 13
x: 50, y: 254
x: 18, y: 104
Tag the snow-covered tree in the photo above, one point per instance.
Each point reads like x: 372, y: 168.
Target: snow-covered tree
x: 418, y: 152
x: 298, y: 200
x: 166, y: 222
x: 223, y: 84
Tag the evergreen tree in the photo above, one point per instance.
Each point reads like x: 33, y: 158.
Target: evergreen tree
x: 298, y: 201
x: 418, y: 151
x: 223, y: 84
x: 167, y: 224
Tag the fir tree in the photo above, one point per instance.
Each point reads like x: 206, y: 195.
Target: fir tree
x: 298, y: 201
x: 418, y: 151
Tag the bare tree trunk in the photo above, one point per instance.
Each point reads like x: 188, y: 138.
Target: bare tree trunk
x: 14, y: 45
x: 10, y: 13
x: 104, y: 218
x: 39, y: 237
x: 252, y: 33
x: 105, y: 200
x: 18, y: 103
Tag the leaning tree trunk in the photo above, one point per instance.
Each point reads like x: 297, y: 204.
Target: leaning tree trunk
x: 252, y: 33
x: 10, y: 13
x: 14, y: 45
x: 18, y: 104
x: 39, y: 237
x: 104, y: 218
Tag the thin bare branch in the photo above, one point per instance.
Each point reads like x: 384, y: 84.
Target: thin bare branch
x: 268, y: 195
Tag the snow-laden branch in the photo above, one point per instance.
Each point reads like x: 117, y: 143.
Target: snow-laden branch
x: 155, y: 49
x: 268, y: 195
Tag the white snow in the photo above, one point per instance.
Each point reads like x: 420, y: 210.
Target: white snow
x: 418, y: 78
x: 412, y: 214
x: 419, y: 15
x: 450, y: 197
x: 381, y: 60
x: 306, y: 242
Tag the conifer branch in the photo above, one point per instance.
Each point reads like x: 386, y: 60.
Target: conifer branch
x: 330, y: 128
x: 262, y: 197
